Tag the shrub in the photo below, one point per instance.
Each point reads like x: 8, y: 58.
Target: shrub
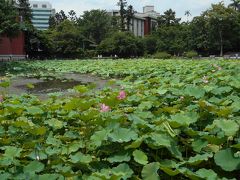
x: 191, y: 54
x: 162, y: 55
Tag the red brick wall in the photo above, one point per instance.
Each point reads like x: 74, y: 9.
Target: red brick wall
x: 13, y: 46
x: 147, y: 26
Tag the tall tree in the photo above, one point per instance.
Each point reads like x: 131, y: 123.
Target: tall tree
x: 129, y: 16
x: 221, y: 21
x: 122, y: 4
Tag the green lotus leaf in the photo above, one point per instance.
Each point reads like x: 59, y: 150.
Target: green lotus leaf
x: 146, y: 105
x: 52, y: 151
x: 2, y: 131
x: 98, y: 137
x: 81, y: 88
x: 226, y: 160
x: 55, y: 124
x: 199, y: 158
x: 120, y: 157
x: 50, y: 176
x: 34, y: 110
x: 39, y: 131
x: 199, y: 144
x: 125, y: 170
x: 5, y: 176
x: 162, y: 91
x: 183, y: 119
x: 229, y: 127
x: 207, y: 174
x: 170, y: 167
x: 140, y: 157
x: 34, y: 167
x: 150, y: 171
x: 135, y: 144
x: 194, y: 91
x: 122, y: 135
x: 11, y: 151
x: 221, y: 90
x: 52, y: 140
x: 81, y: 158
x: 156, y: 140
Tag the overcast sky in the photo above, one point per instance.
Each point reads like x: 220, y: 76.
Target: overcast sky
x: 180, y: 6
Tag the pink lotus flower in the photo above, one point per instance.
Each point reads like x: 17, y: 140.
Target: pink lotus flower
x: 104, y: 108
x: 122, y: 95
x: 1, y: 98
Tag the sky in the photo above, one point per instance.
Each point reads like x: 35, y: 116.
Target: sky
x: 180, y: 6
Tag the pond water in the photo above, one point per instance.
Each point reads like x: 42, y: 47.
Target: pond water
x: 41, y: 88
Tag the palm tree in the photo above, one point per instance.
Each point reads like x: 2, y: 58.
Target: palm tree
x: 235, y: 4
x: 187, y: 13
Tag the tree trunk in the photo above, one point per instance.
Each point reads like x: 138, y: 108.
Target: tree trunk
x: 221, y: 43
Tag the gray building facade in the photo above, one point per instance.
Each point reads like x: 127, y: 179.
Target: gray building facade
x: 41, y: 12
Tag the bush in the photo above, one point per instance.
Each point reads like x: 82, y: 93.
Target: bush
x: 191, y: 54
x: 123, y: 44
x: 162, y: 55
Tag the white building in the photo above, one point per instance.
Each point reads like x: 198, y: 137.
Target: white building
x: 143, y: 22
x: 41, y: 12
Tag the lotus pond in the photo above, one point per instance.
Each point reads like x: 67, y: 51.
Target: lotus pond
x: 125, y: 119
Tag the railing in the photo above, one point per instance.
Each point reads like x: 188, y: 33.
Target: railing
x: 12, y: 57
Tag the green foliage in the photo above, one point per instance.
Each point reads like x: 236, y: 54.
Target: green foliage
x: 216, y: 30
x: 191, y: 54
x: 171, y: 125
x: 95, y: 25
x: 8, y: 13
x: 162, y: 55
x: 123, y: 44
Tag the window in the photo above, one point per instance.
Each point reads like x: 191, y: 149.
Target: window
x: 35, y: 6
x: 44, y: 6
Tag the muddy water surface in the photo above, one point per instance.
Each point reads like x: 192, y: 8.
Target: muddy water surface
x: 41, y: 88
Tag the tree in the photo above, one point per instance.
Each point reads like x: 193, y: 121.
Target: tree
x: 188, y: 14
x: 65, y: 40
x: 235, y: 4
x: 122, y: 4
x: 25, y: 11
x: 221, y: 21
x: 150, y: 44
x: 168, y: 18
x: 72, y: 16
x: 123, y: 44
x: 8, y: 13
x: 95, y: 25
x: 129, y: 16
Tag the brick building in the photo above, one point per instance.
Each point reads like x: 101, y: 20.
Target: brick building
x: 12, y: 48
